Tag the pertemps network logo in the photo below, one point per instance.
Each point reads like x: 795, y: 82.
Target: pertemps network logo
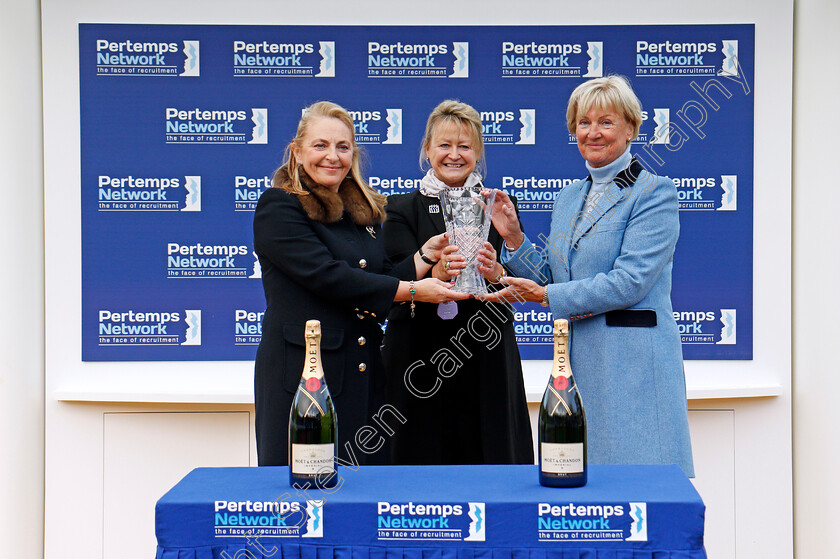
x: 707, y: 327
x: 688, y: 59
x: 603, y: 522
x: 148, y: 194
x: 204, y: 260
x: 276, y: 519
x: 247, y: 191
x: 655, y: 130
x: 214, y: 126
x: 729, y: 65
x: 477, y: 529
x: 418, y: 60
x: 553, y: 60
x: 534, y: 194
x: 707, y: 193
x: 284, y: 60
x: 247, y: 327
x: 639, y: 524
x: 149, y: 328
x: 516, y: 127
x: 435, y: 522
x: 147, y: 58
x: 378, y: 126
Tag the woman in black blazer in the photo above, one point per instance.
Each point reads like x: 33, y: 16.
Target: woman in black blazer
x: 453, y: 369
x: 317, y: 234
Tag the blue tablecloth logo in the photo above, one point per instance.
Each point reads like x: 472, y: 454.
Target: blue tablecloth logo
x: 638, y: 529
x: 618, y: 522
x: 430, y: 522
x: 268, y: 519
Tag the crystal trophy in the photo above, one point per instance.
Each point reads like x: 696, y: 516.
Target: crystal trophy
x: 467, y: 216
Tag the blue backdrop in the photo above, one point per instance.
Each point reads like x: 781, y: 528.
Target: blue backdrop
x: 182, y: 127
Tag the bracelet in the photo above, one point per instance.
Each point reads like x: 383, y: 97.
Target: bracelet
x: 544, y: 301
x: 413, y: 292
x: 425, y: 258
x: 507, y: 246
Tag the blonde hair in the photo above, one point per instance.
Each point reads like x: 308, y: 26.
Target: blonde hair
x: 612, y: 92
x: 326, y: 109
x: 452, y: 111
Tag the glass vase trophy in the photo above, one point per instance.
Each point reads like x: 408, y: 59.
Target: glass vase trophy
x: 467, y: 216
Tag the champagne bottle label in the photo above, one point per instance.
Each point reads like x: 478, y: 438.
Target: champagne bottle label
x: 312, y: 459
x: 558, y: 458
x: 560, y: 370
x: 312, y: 369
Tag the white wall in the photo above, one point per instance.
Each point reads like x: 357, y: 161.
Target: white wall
x: 21, y: 282
x: 816, y: 277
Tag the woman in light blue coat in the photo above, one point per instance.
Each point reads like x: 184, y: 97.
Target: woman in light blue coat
x: 606, y: 267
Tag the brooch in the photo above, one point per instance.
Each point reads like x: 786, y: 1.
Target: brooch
x: 371, y: 231
x: 434, y: 209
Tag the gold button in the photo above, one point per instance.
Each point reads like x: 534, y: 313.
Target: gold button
x: 362, y: 263
x: 362, y: 367
x: 360, y: 316
x: 362, y: 340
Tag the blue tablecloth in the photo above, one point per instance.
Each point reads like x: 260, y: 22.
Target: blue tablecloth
x: 431, y: 512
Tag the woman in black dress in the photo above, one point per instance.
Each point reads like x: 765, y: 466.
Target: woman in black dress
x: 453, y: 369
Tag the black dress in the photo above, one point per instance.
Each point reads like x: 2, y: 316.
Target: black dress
x: 322, y: 257
x: 458, y: 382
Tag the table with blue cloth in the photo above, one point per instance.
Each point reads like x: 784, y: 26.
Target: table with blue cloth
x: 431, y: 512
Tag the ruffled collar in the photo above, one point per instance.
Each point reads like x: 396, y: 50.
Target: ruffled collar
x: 431, y: 186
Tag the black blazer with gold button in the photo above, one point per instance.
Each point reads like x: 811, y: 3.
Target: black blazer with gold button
x: 323, y: 258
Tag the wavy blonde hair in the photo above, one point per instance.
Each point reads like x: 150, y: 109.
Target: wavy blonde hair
x: 326, y: 109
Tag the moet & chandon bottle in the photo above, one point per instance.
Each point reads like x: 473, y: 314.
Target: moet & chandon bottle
x: 313, y: 426
x: 562, y: 421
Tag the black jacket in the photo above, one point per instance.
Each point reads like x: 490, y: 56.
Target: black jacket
x: 322, y: 257
x: 478, y: 414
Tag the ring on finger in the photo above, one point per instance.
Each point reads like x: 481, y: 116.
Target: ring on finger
x: 446, y: 265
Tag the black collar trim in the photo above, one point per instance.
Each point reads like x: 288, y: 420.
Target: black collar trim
x: 628, y: 176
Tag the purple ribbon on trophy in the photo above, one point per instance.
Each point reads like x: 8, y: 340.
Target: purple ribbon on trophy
x: 467, y: 215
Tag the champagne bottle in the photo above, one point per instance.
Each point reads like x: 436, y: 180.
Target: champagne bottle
x: 313, y: 428
x: 562, y: 422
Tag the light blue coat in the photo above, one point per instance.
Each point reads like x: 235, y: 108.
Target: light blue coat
x: 630, y: 378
